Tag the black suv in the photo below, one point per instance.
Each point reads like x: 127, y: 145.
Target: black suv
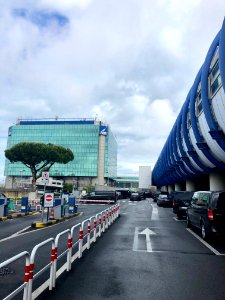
x: 181, y: 200
x: 135, y: 196
x: 207, y: 212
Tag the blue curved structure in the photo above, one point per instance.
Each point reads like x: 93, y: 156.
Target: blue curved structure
x: 196, y: 143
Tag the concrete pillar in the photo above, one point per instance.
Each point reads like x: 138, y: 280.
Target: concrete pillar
x: 216, y: 181
x: 178, y: 187
x: 163, y: 189
x: 190, y: 186
x: 101, y: 159
x: 170, y: 188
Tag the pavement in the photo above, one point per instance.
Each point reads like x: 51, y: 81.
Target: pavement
x: 146, y: 254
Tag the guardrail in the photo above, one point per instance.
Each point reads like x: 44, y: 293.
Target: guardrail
x: 93, y: 227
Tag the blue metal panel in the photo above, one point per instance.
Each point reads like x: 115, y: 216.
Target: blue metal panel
x: 184, y: 156
x: 191, y: 152
x: 56, y: 122
x: 201, y: 144
x: 215, y: 133
x: 222, y: 54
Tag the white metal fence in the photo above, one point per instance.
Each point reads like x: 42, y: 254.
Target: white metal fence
x: 89, y: 230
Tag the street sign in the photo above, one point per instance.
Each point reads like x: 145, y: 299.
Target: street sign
x: 49, y: 200
x: 45, y: 177
x: 103, y: 130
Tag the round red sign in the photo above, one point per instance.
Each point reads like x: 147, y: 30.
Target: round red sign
x: 48, y: 198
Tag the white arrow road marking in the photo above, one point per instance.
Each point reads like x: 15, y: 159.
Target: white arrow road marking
x: 147, y: 232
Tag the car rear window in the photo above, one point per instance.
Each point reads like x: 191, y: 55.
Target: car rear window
x: 221, y: 202
x: 163, y: 196
x: 183, y: 196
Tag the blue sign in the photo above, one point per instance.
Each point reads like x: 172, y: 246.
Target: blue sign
x: 103, y: 130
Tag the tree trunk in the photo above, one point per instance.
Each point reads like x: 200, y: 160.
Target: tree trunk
x: 34, y: 178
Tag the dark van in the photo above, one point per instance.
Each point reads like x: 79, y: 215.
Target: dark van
x: 207, y: 212
x: 181, y: 201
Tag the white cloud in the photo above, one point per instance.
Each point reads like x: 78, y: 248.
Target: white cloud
x: 66, y: 4
x: 131, y: 63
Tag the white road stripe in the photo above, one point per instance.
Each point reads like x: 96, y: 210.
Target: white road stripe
x: 155, y: 213
x: 175, y: 219
x: 14, y: 234
x: 135, y: 243
x: 36, y: 230
x: 204, y: 243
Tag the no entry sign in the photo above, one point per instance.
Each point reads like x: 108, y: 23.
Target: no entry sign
x: 49, y: 199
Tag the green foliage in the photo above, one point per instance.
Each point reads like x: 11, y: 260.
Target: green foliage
x: 33, y: 154
x: 68, y: 187
x: 89, y: 188
x: 38, y: 157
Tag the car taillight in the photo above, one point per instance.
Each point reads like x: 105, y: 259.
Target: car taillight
x: 210, y: 214
x: 173, y: 202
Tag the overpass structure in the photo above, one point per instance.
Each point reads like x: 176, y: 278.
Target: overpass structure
x: 193, y: 156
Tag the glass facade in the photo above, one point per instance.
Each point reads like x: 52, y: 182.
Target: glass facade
x: 110, y: 155
x: 127, y: 182
x: 81, y: 137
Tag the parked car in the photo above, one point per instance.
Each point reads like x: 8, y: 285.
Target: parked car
x: 164, y: 200
x: 155, y: 196
x: 135, y: 196
x: 207, y: 212
x: 181, y: 200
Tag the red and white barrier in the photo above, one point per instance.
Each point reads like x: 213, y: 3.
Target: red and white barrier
x: 93, y: 228
x: 25, y: 285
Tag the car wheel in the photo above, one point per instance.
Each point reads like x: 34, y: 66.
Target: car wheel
x: 188, y: 222
x: 204, y: 231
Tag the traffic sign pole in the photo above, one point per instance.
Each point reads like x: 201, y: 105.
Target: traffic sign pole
x: 48, y: 214
x: 42, y: 212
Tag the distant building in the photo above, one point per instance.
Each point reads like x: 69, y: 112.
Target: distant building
x: 127, y: 182
x: 92, y: 142
x: 145, y: 177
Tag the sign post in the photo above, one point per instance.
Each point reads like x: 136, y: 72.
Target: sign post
x: 45, y: 180
x: 48, y: 202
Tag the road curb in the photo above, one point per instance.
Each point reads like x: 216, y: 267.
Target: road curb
x: 18, y: 215
x: 38, y: 225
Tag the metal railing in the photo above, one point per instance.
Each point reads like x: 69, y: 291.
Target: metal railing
x: 95, y: 226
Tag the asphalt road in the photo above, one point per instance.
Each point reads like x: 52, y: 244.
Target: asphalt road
x: 12, y: 243
x: 146, y: 254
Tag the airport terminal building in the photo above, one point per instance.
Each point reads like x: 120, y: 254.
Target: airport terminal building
x: 193, y: 156
x: 92, y: 142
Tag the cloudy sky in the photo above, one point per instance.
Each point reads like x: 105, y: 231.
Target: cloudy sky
x: 131, y: 63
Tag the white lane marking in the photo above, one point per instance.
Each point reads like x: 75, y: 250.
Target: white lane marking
x: 177, y: 220
x: 204, y: 243
x: 135, y: 243
x: 14, y: 234
x: 33, y: 231
x: 155, y: 213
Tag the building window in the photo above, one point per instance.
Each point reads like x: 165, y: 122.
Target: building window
x: 188, y: 120
x: 198, y: 103
x: 215, y: 82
